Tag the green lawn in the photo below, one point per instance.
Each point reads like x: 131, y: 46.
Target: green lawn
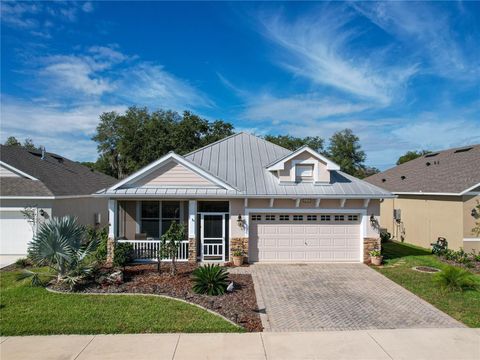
x: 463, y: 306
x: 26, y: 310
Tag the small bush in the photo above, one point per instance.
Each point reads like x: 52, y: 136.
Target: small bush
x: 100, y: 235
x: 455, y: 279
x: 385, y: 236
x: 22, y: 263
x: 210, y: 280
x: 123, y: 254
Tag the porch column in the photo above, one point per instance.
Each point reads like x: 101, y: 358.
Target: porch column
x: 192, y: 231
x: 112, y: 230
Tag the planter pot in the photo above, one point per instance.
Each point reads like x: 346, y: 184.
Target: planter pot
x: 376, y: 260
x: 237, y: 260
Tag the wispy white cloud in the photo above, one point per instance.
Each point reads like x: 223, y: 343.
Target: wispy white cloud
x: 430, y: 34
x: 295, y: 108
x: 320, y: 47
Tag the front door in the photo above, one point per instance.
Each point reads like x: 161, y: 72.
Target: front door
x: 213, y: 236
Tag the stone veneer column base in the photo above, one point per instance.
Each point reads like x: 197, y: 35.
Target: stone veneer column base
x: 370, y: 244
x: 239, y: 242
x: 110, y: 251
x: 192, y: 250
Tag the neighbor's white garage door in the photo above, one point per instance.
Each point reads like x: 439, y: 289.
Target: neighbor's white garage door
x: 15, y: 233
x: 304, y: 237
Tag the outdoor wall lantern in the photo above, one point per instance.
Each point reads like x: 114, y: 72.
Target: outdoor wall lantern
x: 475, y: 213
x: 240, y: 221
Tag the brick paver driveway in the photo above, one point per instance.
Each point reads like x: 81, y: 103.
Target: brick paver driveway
x: 315, y: 297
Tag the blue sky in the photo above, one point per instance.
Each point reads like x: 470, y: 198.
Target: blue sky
x: 403, y: 76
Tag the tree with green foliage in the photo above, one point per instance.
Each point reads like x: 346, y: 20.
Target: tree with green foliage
x: 411, y: 155
x: 476, y: 216
x: 12, y: 141
x: 345, y: 150
x: 129, y: 141
x: 27, y: 144
x: 293, y: 143
x: 170, y: 243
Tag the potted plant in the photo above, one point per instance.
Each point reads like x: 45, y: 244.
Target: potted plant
x: 237, y: 256
x: 376, y: 257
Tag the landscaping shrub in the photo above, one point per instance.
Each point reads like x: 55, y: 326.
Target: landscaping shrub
x: 100, y: 235
x: 385, y: 236
x: 210, y: 280
x: 60, y: 244
x: 455, y: 279
x: 22, y: 263
x: 123, y: 254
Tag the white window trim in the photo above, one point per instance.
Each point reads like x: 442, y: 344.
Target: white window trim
x: 293, y: 174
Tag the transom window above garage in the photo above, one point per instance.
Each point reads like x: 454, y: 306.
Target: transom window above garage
x: 256, y: 217
x: 297, y: 217
x: 325, y: 217
x: 339, y: 218
x: 311, y: 217
x: 352, y: 217
x: 270, y: 217
x: 284, y: 217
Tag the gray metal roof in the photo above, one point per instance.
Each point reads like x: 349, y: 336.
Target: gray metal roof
x: 449, y: 171
x: 241, y: 160
x: 59, y: 176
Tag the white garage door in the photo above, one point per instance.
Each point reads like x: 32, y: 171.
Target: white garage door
x: 15, y: 233
x: 305, y: 237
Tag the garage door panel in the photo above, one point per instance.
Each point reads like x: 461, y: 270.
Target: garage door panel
x: 15, y: 233
x: 305, y: 241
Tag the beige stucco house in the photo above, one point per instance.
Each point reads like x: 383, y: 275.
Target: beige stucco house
x: 436, y: 195
x: 48, y: 185
x: 245, y: 192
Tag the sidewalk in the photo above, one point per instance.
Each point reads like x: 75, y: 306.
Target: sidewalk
x: 409, y: 344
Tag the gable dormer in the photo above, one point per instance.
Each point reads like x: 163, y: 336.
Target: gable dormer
x: 303, y: 165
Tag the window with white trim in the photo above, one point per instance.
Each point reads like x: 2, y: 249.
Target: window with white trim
x: 284, y: 217
x: 339, y: 218
x: 352, y: 217
x: 270, y: 217
x: 297, y: 217
x: 256, y: 217
x: 324, y: 217
x: 156, y: 217
x: 303, y: 172
x: 311, y: 217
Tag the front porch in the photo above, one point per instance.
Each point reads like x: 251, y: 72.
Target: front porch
x: 143, y: 222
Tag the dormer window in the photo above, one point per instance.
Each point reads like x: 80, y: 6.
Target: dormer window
x: 304, y: 172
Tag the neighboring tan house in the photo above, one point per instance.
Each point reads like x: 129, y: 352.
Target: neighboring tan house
x: 436, y: 195
x: 48, y: 185
x: 245, y: 192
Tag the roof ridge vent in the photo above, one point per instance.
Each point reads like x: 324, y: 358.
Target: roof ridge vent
x: 432, y: 154
x: 463, y: 150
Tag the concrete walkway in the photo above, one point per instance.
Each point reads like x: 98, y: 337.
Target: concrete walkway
x: 409, y: 344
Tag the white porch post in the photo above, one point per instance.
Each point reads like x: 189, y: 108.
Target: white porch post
x: 112, y: 218
x: 112, y: 230
x: 192, y: 214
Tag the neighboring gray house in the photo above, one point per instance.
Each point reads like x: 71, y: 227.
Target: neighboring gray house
x: 50, y: 185
x: 242, y: 191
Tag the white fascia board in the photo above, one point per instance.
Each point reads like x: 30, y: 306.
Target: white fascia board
x: 19, y: 172
x: 27, y: 197
x: 280, y: 164
x: 163, y: 160
x: 471, y: 239
x: 470, y: 189
x: 241, y: 196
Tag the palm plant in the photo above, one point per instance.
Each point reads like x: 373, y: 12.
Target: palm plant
x: 453, y: 278
x: 60, y: 244
x: 210, y: 279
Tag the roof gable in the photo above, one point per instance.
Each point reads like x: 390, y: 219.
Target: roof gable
x: 171, y: 170
x: 280, y: 163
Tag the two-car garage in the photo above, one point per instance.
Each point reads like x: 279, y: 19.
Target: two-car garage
x: 305, y: 237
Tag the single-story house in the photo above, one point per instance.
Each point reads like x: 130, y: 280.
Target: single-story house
x: 436, y: 195
x: 245, y: 192
x: 47, y: 185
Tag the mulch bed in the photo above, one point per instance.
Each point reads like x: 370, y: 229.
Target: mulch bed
x: 474, y: 265
x: 240, y: 306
